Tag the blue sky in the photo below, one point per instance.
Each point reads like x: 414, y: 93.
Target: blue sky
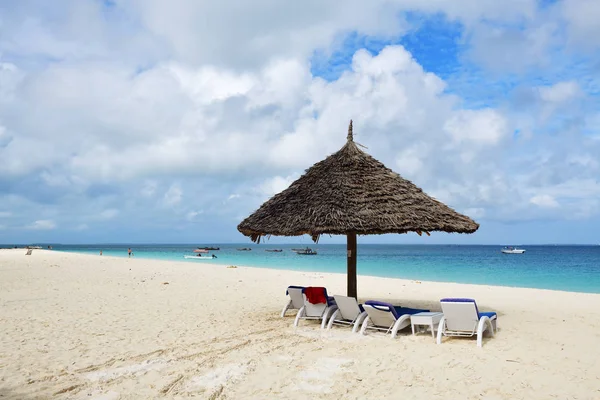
x: 136, y: 121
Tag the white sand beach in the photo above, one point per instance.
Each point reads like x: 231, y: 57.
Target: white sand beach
x: 94, y: 327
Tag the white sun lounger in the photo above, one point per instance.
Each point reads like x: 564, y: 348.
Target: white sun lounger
x: 319, y: 311
x: 296, y: 300
x: 349, y: 312
x: 386, y: 317
x: 462, y: 318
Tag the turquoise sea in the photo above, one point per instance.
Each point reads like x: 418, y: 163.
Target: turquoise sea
x: 569, y: 268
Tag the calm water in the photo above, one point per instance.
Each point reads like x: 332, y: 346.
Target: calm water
x: 570, y: 268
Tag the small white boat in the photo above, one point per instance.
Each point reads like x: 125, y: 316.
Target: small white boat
x: 512, y: 250
x: 305, y: 252
x: 204, y: 258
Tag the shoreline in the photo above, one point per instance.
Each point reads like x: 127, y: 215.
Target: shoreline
x: 78, y: 326
x: 218, y: 262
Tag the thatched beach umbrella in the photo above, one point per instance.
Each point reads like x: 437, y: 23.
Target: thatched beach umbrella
x: 351, y: 193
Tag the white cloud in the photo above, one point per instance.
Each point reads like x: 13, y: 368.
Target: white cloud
x: 507, y: 47
x: 173, y: 196
x: 4, y: 137
x: 124, y: 110
x: 5, y: 214
x: 486, y: 127
x: 275, y: 185
x: 193, y: 215
x: 560, y: 92
x: 277, y: 119
x: 582, y: 18
x: 475, y: 213
x: 275, y: 28
x: 109, y: 214
x: 411, y: 160
x: 544, y: 200
x: 42, y: 224
x: 149, y: 188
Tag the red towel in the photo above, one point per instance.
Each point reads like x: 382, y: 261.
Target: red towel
x: 315, y: 295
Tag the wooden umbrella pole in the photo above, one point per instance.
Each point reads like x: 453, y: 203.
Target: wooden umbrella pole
x: 351, y: 238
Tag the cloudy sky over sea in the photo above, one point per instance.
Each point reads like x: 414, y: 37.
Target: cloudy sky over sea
x: 171, y: 121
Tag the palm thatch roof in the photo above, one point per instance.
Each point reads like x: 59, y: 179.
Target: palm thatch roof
x: 351, y: 192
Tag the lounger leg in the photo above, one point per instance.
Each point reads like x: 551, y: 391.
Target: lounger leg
x: 333, y: 317
x: 441, y: 328
x: 326, y: 315
x: 298, y: 316
x: 397, y: 324
x: 484, y: 323
x: 365, y: 325
x: 287, y: 307
x: 359, y: 320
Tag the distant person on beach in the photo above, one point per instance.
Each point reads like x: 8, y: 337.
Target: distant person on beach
x: 129, y: 251
x: 100, y: 252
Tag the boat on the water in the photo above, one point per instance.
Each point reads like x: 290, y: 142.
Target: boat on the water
x: 305, y: 252
x: 274, y: 250
x: 203, y: 251
x: 244, y: 249
x: 512, y: 250
x: 200, y: 258
x: 209, y: 248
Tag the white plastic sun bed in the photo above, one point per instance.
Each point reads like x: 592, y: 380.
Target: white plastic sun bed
x: 349, y: 313
x: 386, y: 317
x: 462, y: 318
x: 296, y: 300
x: 317, y: 310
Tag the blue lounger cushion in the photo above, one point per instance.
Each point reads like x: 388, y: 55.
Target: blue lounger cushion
x: 488, y: 314
x: 396, y: 311
x: 411, y: 311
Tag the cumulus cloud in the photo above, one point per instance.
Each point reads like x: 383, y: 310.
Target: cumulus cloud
x: 486, y: 127
x: 125, y: 113
x: 193, y: 215
x: 149, y: 188
x: 544, y: 200
x: 173, y: 195
x: 42, y: 224
x: 475, y: 213
x: 275, y: 185
x: 559, y: 92
x: 581, y: 17
x: 109, y: 214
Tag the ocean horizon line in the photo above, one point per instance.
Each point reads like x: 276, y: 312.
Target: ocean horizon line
x: 212, y: 244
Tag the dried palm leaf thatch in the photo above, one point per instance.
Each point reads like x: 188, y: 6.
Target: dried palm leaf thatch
x: 351, y: 192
